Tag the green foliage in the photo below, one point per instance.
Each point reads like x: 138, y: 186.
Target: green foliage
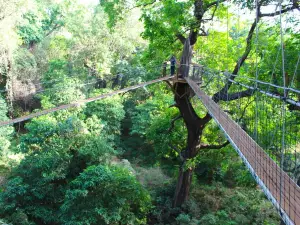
x: 111, y: 112
x: 152, y: 178
x: 56, y: 156
x: 57, y: 69
x: 111, y: 194
x: 66, y: 175
x: 31, y: 29
x: 132, y: 74
x: 220, y: 205
x: 67, y: 91
x: 5, y: 132
x: 151, y: 120
x: 39, y: 23
x: 115, y: 10
x: 183, y: 219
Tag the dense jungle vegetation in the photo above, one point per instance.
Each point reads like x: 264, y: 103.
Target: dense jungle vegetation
x: 118, y: 160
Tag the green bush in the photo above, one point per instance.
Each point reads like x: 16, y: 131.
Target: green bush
x: 56, y: 153
x: 6, y: 133
x: 111, y: 113
x: 105, y: 195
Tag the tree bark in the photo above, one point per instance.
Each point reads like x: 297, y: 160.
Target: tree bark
x: 194, y: 128
x: 183, y: 186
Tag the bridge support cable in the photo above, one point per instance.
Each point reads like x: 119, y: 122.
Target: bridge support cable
x: 268, y: 84
x: 288, y: 100
x: 80, y: 102
x: 271, y: 178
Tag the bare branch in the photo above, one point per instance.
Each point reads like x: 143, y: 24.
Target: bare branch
x: 284, y: 10
x: 203, y: 33
x: 170, y: 85
x: 181, y: 38
x: 173, y: 123
x: 215, y: 3
x: 204, y: 120
x: 194, y: 34
x: 143, y: 5
x: 237, y: 95
x: 214, y: 146
x: 174, y: 105
x: 214, y: 12
x: 178, y: 151
x: 55, y: 27
x: 240, y: 62
x: 244, y: 110
x: 243, y: 58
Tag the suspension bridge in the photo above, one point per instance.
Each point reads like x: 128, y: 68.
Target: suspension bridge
x: 277, y: 185
x: 268, y: 170
x: 280, y: 189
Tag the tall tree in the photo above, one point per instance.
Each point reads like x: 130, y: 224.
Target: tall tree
x: 168, y: 21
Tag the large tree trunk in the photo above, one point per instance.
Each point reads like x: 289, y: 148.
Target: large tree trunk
x: 194, y: 128
x: 183, y: 93
x: 183, y: 186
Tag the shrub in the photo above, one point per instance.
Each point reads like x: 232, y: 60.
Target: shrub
x: 105, y: 195
x: 152, y: 178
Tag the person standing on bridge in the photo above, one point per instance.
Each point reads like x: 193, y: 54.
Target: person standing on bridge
x: 173, y: 63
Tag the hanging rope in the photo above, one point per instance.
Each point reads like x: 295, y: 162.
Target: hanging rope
x: 295, y: 72
x: 283, y: 107
x: 256, y: 76
x: 80, y: 102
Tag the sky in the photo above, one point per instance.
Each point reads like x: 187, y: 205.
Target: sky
x: 243, y: 15
x: 89, y: 2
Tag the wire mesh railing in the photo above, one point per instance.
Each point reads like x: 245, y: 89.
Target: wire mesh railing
x: 269, y: 173
x: 270, y: 152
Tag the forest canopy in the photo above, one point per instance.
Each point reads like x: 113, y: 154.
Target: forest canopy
x: 140, y: 157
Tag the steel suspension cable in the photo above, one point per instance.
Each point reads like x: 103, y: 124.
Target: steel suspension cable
x: 295, y: 72
x: 283, y: 107
x: 58, y: 80
x: 256, y: 78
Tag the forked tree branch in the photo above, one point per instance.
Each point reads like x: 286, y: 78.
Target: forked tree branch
x: 239, y: 63
x: 244, y: 110
x: 173, y: 123
x: 236, y: 95
x: 216, y: 147
x: 174, y: 105
x: 242, y: 59
x: 204, y: 120
x: 178, y: 151
x: 215, y: 3
x: 143, y: 5
x: 284, y: 10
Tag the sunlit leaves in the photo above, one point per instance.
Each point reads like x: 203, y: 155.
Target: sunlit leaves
x: 110, y: 111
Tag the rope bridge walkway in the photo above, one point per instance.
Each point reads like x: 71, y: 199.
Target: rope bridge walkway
x: 281, y: 190
x: 80, y: 102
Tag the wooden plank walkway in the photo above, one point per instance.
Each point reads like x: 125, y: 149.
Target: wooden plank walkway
x: 277, y: 185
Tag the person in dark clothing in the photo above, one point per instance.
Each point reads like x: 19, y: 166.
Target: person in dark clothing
x: 173, y: 63
x: 117, y: 80
x: 164, y: 69
x: 101, y: 83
